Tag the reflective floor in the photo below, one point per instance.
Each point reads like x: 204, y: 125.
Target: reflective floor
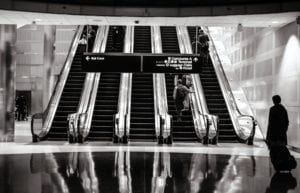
x: 141, y: 172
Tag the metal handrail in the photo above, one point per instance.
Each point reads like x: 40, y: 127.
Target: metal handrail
x: 158, y: 130
x: 198, y: 104
x: 87, y: 104
x: 162, y: 118
x: 59, y: 86
x: 122, y: 118
x: 200, y: 100
x: 235, y: 114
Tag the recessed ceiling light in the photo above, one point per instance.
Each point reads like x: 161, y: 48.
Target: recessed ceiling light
x: 37, y: 20
x: 274, y: 22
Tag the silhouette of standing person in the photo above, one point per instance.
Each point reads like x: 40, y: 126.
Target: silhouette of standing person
x: 204, y: 46
x: 91, y: 38
x: 21, y: 108
x: 278, y: 124
x: 117, y: 36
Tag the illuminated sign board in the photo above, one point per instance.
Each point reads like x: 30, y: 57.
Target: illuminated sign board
x: 143, y: 63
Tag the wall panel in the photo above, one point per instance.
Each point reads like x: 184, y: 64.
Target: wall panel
x: 263, y: 68
x: 273, y: 54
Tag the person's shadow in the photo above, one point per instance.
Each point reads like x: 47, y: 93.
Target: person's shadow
x: 282, y: 183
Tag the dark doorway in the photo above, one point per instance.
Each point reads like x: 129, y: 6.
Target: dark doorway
x: 27, y: 95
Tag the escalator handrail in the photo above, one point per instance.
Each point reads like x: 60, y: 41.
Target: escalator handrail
x: 90, y: 98
x: 227, y: 93
x: 88, y: 82
x: 158, y: 130
x: 164, y: 106
x: 129, y: 49
x: 162, y: 118
x: 122, y: 118
x: 160, y: 93
x: 50, y: 111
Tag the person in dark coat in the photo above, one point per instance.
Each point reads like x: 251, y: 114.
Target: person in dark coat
x: 278, y: 123
x: 204, y: 46
x: 91, y: 38
x: 117, y: 36
x: 179, y: 94
x: 21, y: 108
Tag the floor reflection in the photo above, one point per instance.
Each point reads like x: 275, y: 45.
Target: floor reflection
x: 122, y: 171
x: 161, y: 171
x: 141, y: 172
x: 282, y: 183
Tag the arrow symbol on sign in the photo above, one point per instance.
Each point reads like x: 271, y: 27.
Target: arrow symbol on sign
x: 87, y: 58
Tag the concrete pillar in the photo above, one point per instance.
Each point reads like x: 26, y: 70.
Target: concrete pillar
x: 8, y: 38
x: 48, y: 72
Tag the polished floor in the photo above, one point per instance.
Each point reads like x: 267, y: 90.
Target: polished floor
x: 141, y: 172
x: 55, y: 167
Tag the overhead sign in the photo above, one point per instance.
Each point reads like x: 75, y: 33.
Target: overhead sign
x: 110, y: 63
x: 171, y: 64
x: 144, y: 63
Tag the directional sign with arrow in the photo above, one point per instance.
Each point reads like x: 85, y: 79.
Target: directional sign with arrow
x: 137, y: 62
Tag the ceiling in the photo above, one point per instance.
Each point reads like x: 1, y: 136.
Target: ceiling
x: 259, y: 20
x: 160, y: 3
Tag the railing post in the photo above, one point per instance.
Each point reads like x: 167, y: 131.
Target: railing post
x: 251, y: 138
x: 72, y: 128
x: 115, y: 125
x: 215, y: 122
x: 161, y: 137
x: 125, y: 136
x: 35, y: 138
x: 206, y: 137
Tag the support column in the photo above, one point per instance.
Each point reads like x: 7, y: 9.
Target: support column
x: 48, y: 72
x: 8, y: 34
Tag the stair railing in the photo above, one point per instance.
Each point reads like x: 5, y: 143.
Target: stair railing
x: 89, y: 93
x: 49, y: 113
x: 122, y: 118
x: 244, y: 125
x: 205, y: 125
x: 162, y: 118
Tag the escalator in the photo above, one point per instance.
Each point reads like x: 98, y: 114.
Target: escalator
x: 214, y: 98
x: 142, y: 39
x: 181, y: 130
x: 142, y: 124
x: 106, y: 104
x: 69, y: 99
